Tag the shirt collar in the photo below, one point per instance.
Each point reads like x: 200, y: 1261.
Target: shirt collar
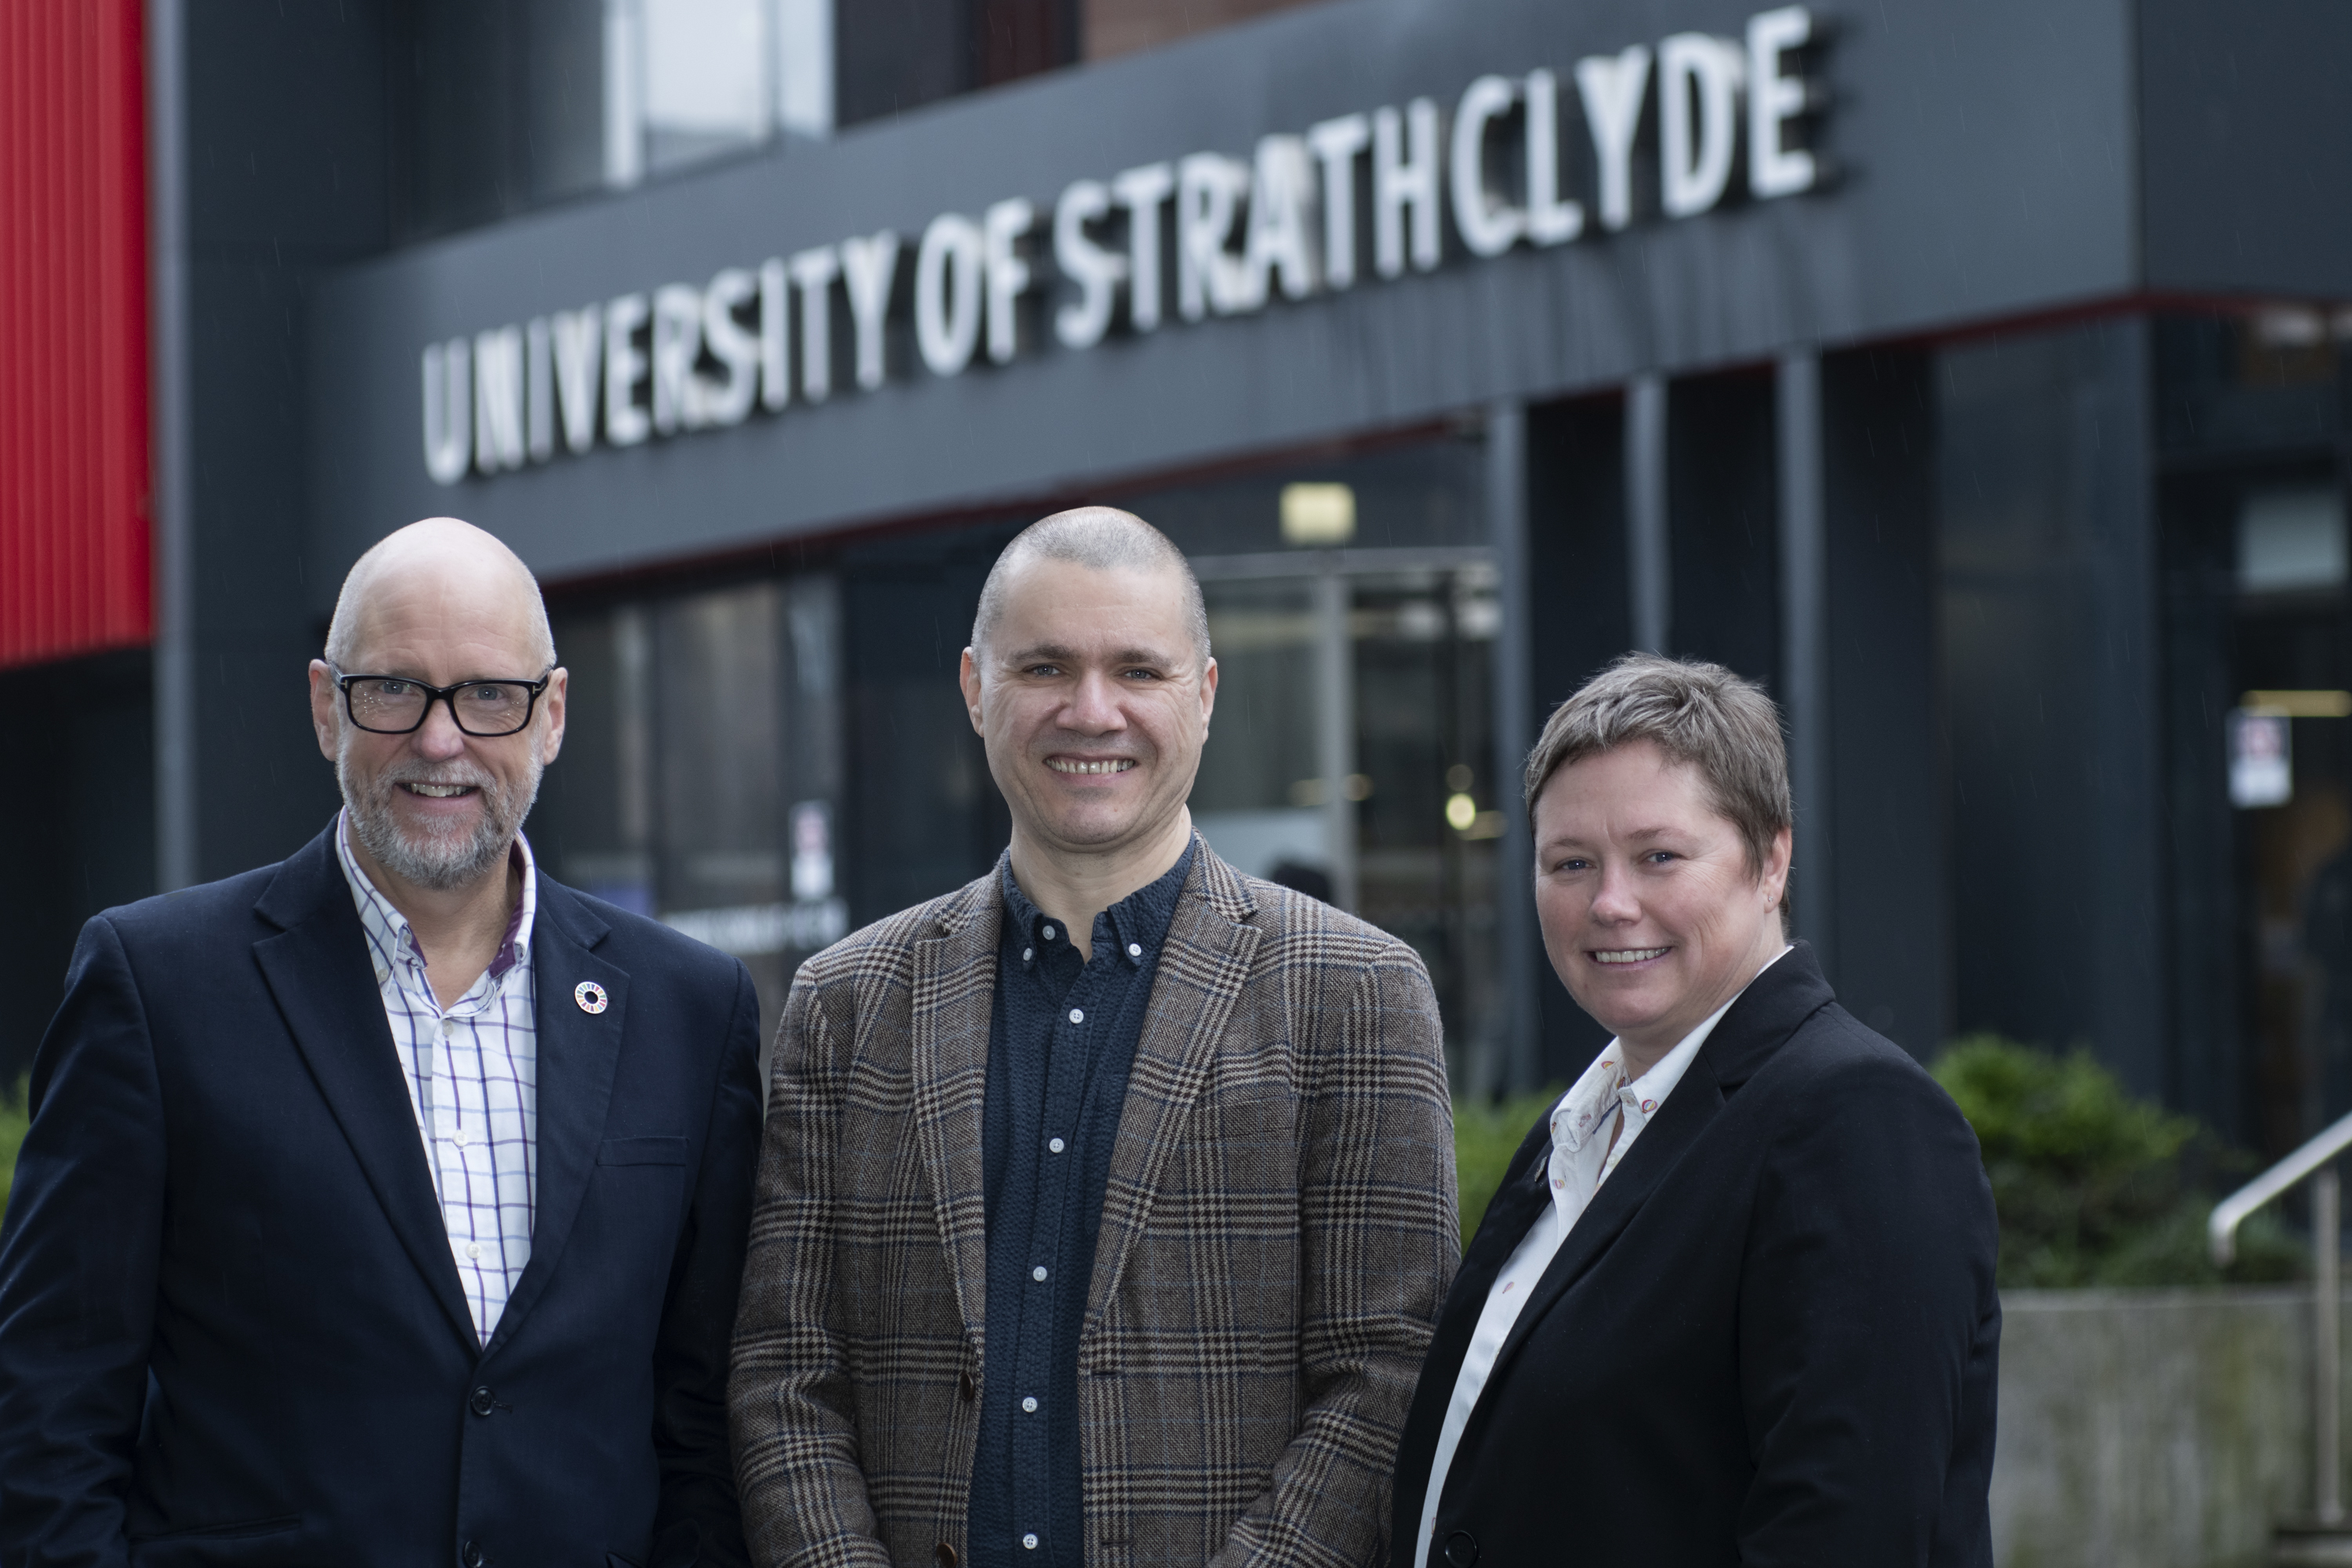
x: 1139, y: 922
x: 389, y: 932
x: 1583, y: 1111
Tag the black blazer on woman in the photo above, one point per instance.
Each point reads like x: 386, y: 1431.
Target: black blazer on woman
x: 1771, y: 1338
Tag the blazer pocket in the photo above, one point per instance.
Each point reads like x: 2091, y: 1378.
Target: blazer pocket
x: 276, y: 1524
x: 1248, y: 1091
x: 1254, y: 1113
x: 254, y: 1542
x: 655, y: 1151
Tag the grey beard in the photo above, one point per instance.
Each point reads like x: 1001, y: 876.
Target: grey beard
x: 439, y: 861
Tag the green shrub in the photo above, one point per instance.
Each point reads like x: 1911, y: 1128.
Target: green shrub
x: 2092, y: 1185
x: 1484, y: 1139
x: 14, y: 1119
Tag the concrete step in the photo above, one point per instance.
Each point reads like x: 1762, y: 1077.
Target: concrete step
x: 2310, y: 1545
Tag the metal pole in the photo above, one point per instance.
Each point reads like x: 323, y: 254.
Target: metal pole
x: 1335, y: 727
x: 1514, y: 1064
x: 1650, y: 566
x: 2326, y: 1243
x: 1804, y: 637
x: 177, y: 861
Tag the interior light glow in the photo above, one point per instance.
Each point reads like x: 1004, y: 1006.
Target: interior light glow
x: 2299, y: 704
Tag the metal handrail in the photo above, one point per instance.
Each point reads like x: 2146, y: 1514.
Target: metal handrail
x: 2221, y: 1230
x: 2317, y: 1161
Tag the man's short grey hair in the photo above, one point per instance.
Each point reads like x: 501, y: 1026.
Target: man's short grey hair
x: 1696, y: 712
x: 1103, y: 538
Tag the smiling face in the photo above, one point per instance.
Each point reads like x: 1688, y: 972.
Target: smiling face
x: 438, y: 808
x: 1650, y: 913
x: 1094, y: 700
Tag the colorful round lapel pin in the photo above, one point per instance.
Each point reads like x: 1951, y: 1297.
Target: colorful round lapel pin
x: 591, y: 997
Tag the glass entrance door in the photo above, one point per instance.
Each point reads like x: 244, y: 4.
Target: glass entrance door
x: 2291, y: 783
x: 1352, y: 755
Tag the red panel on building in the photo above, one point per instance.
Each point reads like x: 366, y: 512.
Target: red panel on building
x: 74, y: 485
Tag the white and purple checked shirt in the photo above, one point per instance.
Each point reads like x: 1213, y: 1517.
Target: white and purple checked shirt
x: 473, y: 1082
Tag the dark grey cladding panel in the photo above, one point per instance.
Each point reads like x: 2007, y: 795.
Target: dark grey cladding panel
x: 1988, y: 161
x: 2247, y: 142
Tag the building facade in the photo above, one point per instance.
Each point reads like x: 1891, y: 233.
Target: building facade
x: 1969, y: 376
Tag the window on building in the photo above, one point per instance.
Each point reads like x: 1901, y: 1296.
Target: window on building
x: 505, y: 106
x: 701, y: 777
x: 688, y: 80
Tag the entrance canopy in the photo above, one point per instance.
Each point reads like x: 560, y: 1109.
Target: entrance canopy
x: 1351, y: 217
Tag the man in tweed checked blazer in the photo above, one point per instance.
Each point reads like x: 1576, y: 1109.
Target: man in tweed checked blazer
x: 1106, y: 1203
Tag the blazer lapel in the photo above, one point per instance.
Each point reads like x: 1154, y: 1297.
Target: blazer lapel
x: 1202, y: 964
x: 1518, y: 1201
x: 1786, y: 994
x: 1693, y: 1105
x: 954, y: 997
x: 578, y: 1056
x: 319, y: 971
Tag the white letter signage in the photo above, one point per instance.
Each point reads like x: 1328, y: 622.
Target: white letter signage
x: 947, y: 293
x: 1289, y: 219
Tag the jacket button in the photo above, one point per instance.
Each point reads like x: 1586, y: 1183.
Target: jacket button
x: 472, y: 1556
x: 482, y: 1404
x: 970, y: 1391
x: 943, y: 1553
x: 1461, y: 1548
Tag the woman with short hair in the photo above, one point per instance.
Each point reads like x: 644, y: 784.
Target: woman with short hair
x: 1734, y: 1301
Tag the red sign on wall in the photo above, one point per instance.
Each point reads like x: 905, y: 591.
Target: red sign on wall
x: 74, y: 485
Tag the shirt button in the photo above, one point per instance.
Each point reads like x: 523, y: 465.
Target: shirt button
x: 458, y: 1138
x: 1027, y: 954
x: 1038, y: 1274
x: 1135, y: 950
x: 1078, y: 1015
x: 1029, y: 1541
x: 1054, y: 1145
x: 446, y: 1027
x: 1030, y: 1405
x: 1049, y: 936
x: 474, y: 1249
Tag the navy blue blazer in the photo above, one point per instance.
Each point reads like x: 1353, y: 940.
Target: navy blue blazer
x: 231, y: 1330
x: 1772, y: 1338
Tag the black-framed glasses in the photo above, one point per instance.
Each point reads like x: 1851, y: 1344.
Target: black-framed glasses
x: 395, y: 705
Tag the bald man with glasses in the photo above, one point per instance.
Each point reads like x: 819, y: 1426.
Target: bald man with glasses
x: 386, y: 1205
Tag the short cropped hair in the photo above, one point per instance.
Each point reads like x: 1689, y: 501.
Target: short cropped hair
x: 1696, y: 712
x: 1100, y: 538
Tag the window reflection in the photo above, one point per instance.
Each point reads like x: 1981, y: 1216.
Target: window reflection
x: 686, y: 80
x: 700, y: 779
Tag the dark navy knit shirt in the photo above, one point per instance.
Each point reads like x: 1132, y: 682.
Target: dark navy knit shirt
x: 1060, y: 1042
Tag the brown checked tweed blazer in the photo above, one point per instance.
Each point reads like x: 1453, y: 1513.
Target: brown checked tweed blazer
x: 1277, y: 1240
